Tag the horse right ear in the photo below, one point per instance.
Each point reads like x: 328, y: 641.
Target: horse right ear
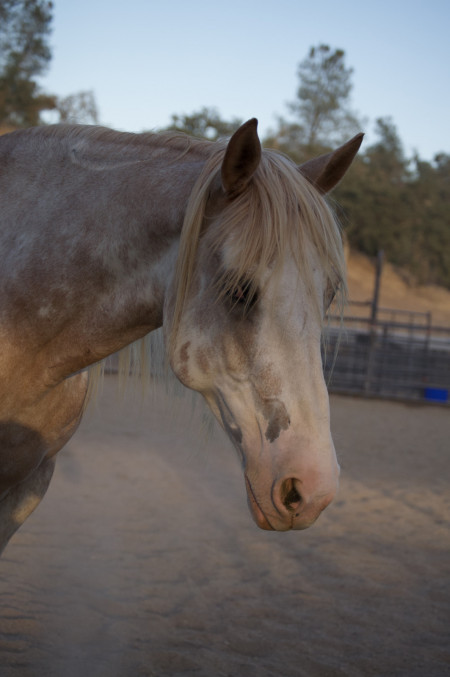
x: 325, y: 171
x: 242, y: 158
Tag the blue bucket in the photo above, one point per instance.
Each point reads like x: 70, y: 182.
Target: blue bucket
x: 436, y: 394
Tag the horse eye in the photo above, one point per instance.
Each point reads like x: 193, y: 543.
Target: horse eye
x: 242, y: 295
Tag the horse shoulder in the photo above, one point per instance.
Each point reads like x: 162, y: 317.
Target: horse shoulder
x: 35, y: 422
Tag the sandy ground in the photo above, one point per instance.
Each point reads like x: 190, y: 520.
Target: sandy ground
x: 143, y: 560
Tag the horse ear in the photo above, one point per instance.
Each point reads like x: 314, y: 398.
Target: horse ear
x: 325, y: 171
x: 241, y: 159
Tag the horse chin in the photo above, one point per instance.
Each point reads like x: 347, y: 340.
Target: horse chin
x: 259, y: 517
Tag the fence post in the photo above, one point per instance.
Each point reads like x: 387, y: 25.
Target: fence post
x: 373, y: 322
x: 376, y: 290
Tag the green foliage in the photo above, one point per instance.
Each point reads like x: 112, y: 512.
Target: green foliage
x: 322, y: 106
x: 205, y: 123
x: 80, y: 108
x: 24, y: 54
x: 288, y: 139
x: 430, y: 219
x: 399, y: 205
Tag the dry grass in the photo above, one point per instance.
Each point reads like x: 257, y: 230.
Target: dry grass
x: 395, y: 292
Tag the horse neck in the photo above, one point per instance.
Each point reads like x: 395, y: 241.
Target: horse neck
x: 110, y: 232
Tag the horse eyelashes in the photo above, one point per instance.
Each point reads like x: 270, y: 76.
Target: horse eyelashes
x: 242, y: 295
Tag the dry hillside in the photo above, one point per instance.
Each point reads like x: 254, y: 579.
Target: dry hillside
x: 395, y: 292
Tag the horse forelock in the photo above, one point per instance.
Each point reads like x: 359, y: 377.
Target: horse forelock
x: 279, y: 214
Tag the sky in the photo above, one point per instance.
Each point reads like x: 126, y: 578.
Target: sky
x: 146, y: 60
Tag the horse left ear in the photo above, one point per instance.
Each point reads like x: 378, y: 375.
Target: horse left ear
x: 325, y: 171
x: 242, y: 158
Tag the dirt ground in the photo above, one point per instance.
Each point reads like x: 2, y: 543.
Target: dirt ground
x: 143, y: 559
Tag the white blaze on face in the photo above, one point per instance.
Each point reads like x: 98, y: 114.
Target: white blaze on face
x: 282, y: 412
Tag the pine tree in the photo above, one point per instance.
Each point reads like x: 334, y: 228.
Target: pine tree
x: 24, y: 55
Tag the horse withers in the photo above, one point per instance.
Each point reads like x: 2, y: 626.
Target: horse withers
x: 233, y: 250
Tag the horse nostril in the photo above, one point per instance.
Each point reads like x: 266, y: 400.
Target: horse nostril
x: 290, y: 497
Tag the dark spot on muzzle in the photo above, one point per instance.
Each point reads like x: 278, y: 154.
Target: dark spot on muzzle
x: 278, y: 419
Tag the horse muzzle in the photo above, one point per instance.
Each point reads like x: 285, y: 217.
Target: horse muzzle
x: 289, y: 504
x: 291, y: 479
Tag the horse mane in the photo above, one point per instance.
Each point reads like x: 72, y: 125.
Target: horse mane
x: 102, y: 148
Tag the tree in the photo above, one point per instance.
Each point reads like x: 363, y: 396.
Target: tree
x: 24, y: 54
x: 80, y: 108
x: 322, y: 110
x: 205, y: 123
x: 387, y: 154
x: 377, y: 198
x: 323, y: 97
x: 399, y: 205
x: 430, y: 218
x: 288, y: 138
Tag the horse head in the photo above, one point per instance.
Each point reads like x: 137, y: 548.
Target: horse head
x: 260, y: 259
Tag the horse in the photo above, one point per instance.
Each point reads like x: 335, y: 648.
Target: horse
x: 232, y: 249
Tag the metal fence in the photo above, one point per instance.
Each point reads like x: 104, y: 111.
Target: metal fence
x: 400, y: 355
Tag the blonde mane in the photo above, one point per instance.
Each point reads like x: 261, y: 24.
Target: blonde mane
x: 279, y: 213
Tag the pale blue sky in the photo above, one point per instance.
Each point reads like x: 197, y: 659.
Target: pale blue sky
x: 145, y: 59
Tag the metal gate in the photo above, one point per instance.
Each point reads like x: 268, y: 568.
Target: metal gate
x: 399, y: 355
